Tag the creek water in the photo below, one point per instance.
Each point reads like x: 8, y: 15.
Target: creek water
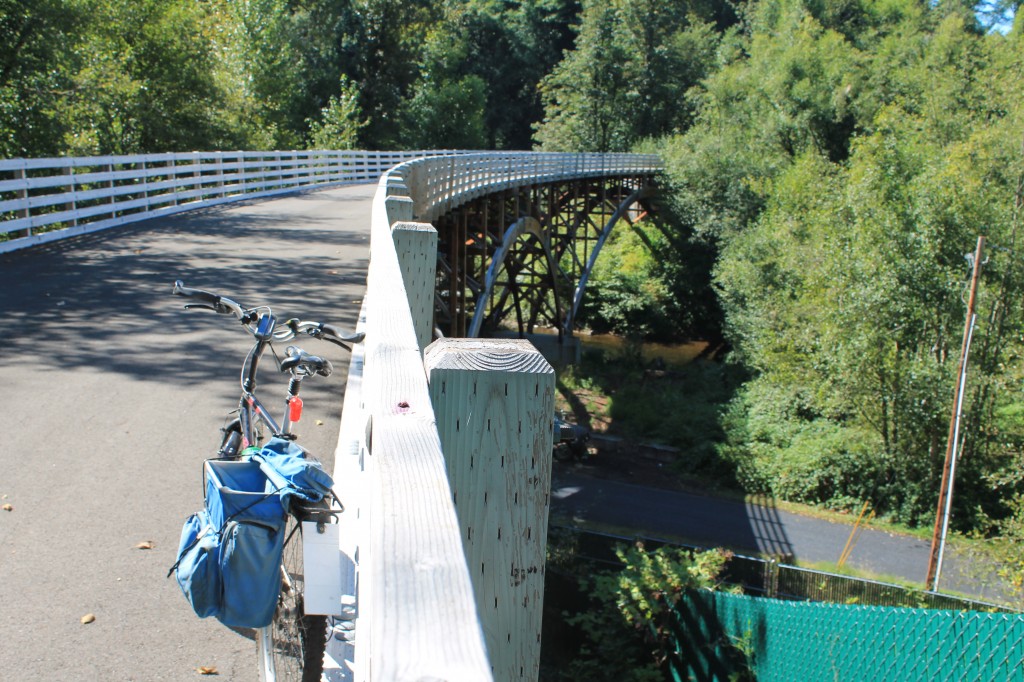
x: 571, y: 350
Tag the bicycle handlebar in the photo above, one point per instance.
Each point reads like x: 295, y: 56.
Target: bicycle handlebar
x: 293, y: 327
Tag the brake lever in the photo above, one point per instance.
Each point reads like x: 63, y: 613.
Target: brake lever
x: 336, y: 343
x: 189, y: 306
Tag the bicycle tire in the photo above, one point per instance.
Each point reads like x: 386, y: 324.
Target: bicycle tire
x: 291, y: 648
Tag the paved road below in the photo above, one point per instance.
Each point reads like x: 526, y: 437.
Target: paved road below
x: 753, y: 528
x: 115, y: 396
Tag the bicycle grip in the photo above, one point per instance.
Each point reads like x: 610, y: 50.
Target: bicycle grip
x: 220, y: 304
x: 339, y: 335
x: 207, y: 297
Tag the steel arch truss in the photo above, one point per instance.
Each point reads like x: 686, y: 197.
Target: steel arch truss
x: 522, y: 257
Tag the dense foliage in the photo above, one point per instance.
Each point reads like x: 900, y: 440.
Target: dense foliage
x: 124, y: 76
x: 623, y: 634
x: 831, y: 164
x: 843, y: 173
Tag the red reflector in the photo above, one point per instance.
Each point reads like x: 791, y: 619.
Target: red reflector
x: 295, y: 408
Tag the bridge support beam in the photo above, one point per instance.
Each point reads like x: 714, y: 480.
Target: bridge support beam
x: 524, y: 254
x: 493, y: 401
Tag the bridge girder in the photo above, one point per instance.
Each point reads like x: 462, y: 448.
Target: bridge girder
x: 524, y: 255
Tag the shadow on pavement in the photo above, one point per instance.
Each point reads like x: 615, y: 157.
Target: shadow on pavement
x: 601, y: 503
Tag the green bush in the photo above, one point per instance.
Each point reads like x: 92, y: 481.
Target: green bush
x: 622, y: 630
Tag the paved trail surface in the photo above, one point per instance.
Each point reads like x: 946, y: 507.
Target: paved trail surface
x: 707, y: 521
x: 114, y: 396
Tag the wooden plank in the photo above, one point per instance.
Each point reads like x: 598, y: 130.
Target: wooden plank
x: 414, y: 583
x: 494, y: 404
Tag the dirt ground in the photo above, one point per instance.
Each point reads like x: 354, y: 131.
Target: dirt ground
x: 620, y: 459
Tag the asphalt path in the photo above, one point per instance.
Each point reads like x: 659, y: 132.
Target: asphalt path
x: 115, y: 396
x: 757, y: 528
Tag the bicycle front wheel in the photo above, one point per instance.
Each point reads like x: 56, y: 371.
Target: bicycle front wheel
x: 291, y: 648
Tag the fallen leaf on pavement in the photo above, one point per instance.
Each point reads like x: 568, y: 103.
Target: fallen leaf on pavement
x: 88, y: 618
x: 319, y: 422
x: 147, y: 544
x: 207, y: 670
x: 8, y: 507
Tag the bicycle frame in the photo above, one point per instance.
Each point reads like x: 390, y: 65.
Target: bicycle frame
x: 250, y: 409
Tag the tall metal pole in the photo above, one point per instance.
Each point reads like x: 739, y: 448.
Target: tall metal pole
x: 945, y: 489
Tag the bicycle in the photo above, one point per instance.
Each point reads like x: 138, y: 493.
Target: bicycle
x: 292, y: 647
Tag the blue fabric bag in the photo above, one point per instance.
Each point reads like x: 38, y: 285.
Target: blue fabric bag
x: 289, y: 470
x: 197, y: 569
x: 229, y: 558
x: 250, y: 569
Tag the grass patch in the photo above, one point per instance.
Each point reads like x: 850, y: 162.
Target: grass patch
x: 681, y: 406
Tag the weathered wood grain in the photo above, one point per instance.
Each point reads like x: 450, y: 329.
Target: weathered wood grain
x: 494, y: 402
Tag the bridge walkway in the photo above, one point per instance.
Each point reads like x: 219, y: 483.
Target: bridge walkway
x: 114, y: 395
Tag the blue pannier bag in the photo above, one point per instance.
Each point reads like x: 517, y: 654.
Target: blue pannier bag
x: 250, y: 567
x: 197, y: 569
x: 229, y: 557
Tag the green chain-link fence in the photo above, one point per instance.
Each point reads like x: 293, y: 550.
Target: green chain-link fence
x: 719, y: 636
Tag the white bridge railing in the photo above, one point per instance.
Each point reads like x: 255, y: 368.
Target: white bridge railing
x: 46, y: 199
x: 445, y: 452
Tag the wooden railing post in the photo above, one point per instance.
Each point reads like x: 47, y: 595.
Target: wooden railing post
x: 72, y: 205
x: 197, y: 173
x: 494, y: 405
x: 220, y: 174
x: 395, y: 187
x: 399, y: 209
x: 416, y: 246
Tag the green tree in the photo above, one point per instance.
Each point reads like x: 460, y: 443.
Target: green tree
x: 36, y: 47
x: 623, y: 631
x: 448, y: 116
x: 262, y: 65
x: 109, y: 76
x: 340, y: 121
x: 389, y: 37
x: 843, y: 286
x: 628, y: 74
x: 504, y: 47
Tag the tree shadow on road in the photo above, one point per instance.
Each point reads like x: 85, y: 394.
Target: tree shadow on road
x: 102, y: 301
